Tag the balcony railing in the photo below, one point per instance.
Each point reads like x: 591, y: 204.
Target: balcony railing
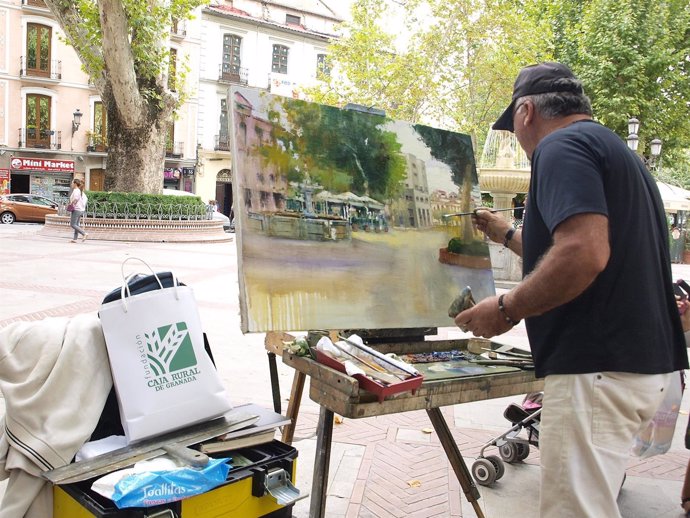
x: 175, y: 150
x: 54, y: 72
x: 178, y: 29
x: 35, y: 3
x: 39, y: 139
x: 97, y: 143
x: 127, y: 210
x: 222, y: 143
x: 233, y: 74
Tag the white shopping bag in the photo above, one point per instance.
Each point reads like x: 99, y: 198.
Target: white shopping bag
x: 163, y: 377
x: 657, y: 436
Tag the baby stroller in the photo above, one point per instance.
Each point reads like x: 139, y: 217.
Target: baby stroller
x: 513, y: 445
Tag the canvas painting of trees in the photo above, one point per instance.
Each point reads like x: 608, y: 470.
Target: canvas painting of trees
x: 345, y: 220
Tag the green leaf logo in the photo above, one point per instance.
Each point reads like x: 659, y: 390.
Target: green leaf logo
x: 169, y: 349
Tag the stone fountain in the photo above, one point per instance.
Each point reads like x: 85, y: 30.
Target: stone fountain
x: 504, y: 172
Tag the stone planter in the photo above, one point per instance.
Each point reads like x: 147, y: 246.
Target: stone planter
x: 468, y: 261
x: 153, y: 231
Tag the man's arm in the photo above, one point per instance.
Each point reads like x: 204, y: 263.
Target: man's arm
x: 496, y: 227
x: 580, y: 251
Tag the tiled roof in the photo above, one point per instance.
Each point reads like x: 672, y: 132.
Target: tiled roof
x: 233, y: 12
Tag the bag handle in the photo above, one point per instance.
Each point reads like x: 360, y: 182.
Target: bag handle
x: 124, y: 289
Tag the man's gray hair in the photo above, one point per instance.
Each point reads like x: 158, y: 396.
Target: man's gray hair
x: 553, y: 105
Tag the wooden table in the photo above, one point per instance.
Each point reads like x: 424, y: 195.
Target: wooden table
x: 337, y: 392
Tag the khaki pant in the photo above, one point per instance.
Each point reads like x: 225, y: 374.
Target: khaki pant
x: 588, y: 423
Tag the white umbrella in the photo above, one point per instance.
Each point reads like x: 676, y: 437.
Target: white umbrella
x: 674, y: 198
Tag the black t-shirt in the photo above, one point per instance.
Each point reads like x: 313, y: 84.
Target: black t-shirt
x: 627, y: 320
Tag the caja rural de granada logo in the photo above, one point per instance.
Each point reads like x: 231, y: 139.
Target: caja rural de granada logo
x: 167, y: 356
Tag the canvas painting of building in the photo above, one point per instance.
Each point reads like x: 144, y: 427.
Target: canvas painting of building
x: 342, y: 217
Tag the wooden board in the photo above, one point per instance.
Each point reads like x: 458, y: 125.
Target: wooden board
x: 342, y: 394
x: 326, y: 226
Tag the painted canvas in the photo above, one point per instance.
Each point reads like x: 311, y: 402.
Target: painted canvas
x: 344, y: 217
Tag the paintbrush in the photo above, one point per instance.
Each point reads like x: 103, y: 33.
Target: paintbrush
x: 381, y: 357
x: 480, y: 208
x: 372, y: 371
x: 521, y: 356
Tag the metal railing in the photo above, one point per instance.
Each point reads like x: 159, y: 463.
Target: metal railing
x: 235, y: 74
x: 97, y: 143
x: 54, y: 72
x: 178, y: 28
x: 35, y: 3
x: 39, y: 139
x: 222, y: 143
x: 150, y: 211
x: 175, y: 150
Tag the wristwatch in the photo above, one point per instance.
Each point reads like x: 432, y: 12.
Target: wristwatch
x: 509, y: 235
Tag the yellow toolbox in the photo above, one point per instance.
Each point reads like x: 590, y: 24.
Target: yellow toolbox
x: 259, y: 488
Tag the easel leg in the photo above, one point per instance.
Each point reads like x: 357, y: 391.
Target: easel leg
x: 455, y: 458
x: 322, y: 461
x: 293, y: 406
x: 275, y: 384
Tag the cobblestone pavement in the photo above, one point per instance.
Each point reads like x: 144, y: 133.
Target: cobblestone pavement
x: 382, y: 467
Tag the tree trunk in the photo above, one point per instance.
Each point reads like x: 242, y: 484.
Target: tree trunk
x: 136, y: 156
x: 139, y: 166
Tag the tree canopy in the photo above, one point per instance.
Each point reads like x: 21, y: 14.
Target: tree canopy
x: 342, y: 150
x: 124, y: 47
x: 462, y: 56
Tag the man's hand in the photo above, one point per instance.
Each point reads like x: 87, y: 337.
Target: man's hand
x: 684, y: 310
x: 484, y: 319
x: 492, y: 224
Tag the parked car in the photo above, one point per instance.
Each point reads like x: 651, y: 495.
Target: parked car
x: 25, y: 207
x: 217, y: 216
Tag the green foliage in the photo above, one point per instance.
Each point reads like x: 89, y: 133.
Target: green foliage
x: 340, y: 149
x: 455, y: 71
x: 632, y: 56
x: 457, y: 68
x: 114, y: 202
x: 474, y: 248
x: 133, y: 197
x: 453, y: 149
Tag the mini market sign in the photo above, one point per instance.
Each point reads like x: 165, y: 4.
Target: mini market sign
x: 42, y: 164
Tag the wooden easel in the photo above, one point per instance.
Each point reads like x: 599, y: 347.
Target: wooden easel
x: 274, y: 347
x: 336, y: 392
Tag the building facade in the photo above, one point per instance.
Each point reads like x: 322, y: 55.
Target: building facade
x: 277, y: 46
x: 53, y: 126
x: 413, y: 209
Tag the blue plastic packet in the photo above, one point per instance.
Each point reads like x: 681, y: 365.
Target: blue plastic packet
x: 161, y: 487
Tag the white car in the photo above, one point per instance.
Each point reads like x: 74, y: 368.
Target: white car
x: 217, y: 216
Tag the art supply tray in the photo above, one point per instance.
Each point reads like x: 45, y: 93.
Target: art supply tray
x: 347, y: 396
x: 382, y: 391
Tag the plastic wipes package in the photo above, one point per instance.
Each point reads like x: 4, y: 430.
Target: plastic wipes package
x: 656, y: 438
x: 137, y: 488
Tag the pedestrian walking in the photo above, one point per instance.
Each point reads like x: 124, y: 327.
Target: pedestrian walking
x: 77, y: 204
x: 596, y: 295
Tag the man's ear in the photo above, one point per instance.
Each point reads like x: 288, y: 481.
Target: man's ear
x: 529, y: 113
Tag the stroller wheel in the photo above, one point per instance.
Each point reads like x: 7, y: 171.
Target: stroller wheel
x: 498, y: 465
x: 484, y: 472
x: 508, y: 452
x: 522, y: 450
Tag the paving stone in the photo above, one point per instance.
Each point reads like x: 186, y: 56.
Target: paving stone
x: 373, y: 459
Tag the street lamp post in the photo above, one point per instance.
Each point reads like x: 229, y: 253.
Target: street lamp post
x: 633, y: 142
